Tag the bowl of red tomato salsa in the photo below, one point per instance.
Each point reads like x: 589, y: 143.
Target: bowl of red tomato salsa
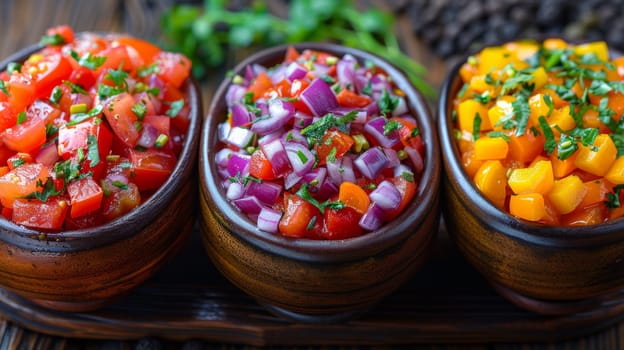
x: 319, y: 173
x: 531, y: 133
x: 98, y: 138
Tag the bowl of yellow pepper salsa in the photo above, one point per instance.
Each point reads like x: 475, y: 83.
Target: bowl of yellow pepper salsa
x: 533, y: 146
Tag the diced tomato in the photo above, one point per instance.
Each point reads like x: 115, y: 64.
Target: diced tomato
x: 5, y: 154
x: 64, y: 31
x: 47, y: 71
x: 342, y: 223
x: 297, y: 217
x: 6, y: 212
x: 21, y: 181
x: 260, y: 167
x: 120, y: 202
x: 21, y: 91
x: 260, y: 85
x: 334, y: 141
x: 75, y: 137
x: 43, y: 110
x: 410, y: 135
x: 151, y: 168
x: 348, y: 98
x: 407, y: 190
x: 160, y: 122
x: 85, y: 196
x: 296, y: 88
x: 118, y: 112
x: 173, y: 68
x: 152, y: 104
x: 291, y: 54
x: 42, y: 215
x: 116, y: 58
x: 85, y: 221
x: 18, y: 159
x: 8, y: 117
x: 4, y: 170
x: 143, y: 48
x: 83, y: 77
x: 25, y: 137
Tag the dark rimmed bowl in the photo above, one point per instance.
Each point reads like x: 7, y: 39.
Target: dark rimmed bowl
x: 307, y: 280
x: 83, y: 270
x: 546, y: 269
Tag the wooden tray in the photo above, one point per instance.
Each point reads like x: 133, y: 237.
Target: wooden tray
x: 447, y: 302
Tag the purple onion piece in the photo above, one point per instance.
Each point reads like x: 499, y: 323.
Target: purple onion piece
x: 346, y: 167
x: 270, y: 137
x: 300, y: 157
x: 315, y: 178
x: 386, y: 195
x: 268, y: 220
x: 266, y: 192
x: 345, y: 70
x: 223, y: 157
x: 239, y: 137
x: 373, y: 218
x: 234, y: 191
x: 250, y: 75
x: 223, y: 131
x: 248, y: 204
x: 291, y: 180
x: 48, y: 155
x: 280, y: 112
x: 372, y: 109
x: 295, y: 71
x: 238, y: 164
x: 416, y: 158
x: 235, y: 93
x: 294, y: 135
x: 402, y: 169
x: 319, y: 97
x: 276, y: 154
x: 240, y: 115
x: 401, y: 107
x: 375, y: 127
x: 148, y: 136
x: 393, y: 158
x: 326, y: 190
x: 334, y: 171
x: 301, y: 120
x: 371, y: 162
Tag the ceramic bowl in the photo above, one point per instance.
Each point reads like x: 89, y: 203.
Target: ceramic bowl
x: 545, y: 269
x: 309, y: 280
x: 82, y: 270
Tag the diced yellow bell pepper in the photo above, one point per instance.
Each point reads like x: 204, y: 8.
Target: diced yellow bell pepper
x: 528, y: 206
x: 562, y: 118
x: 466, y: 113
x: 491, y: 180
x: 479, y: 85
x: 538, y: 108
x: 493, y: 58
x: 536, y: 178
x: 555, y: 43
x: 523, y: 49
x: 500, y: 109
x: 486, y: 148
x: 540, y: 77
x: 616, y: 172
x: 597, y: 161
x: 599, y: 48
x: 567, y: 194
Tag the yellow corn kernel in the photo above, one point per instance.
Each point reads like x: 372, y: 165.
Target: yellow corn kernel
x: 567, y: 194
x: 597, y: 159
x: 500, y: 109
x: 491, y: 180
x: 467, y: 112
x: 540, y: 77
x: 538, y: 108
x: 599, y: 48
x: 616, y: 172
x: 536, y: 178
x: 486, y: 148
x: 528, y: 206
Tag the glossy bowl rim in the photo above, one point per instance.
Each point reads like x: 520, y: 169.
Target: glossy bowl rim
x: 487, y: 213
x: 129, y: 224
x: 325, y: 250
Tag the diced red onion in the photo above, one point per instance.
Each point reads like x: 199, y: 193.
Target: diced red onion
x: 48, y: 155
x: 270, y: 137
x: 294, y: 135
x: 301, y: 120
x: 223, y: 130
x: 280, y: 112
x: 360, y: 79
x: 240, y: 115
x: 371, y: 162
x: 326, y: 190
x: 348, y: 173
x: 386, y: 195
x: 402, y: 169
x: 249, y: 74
x: 295, y: 71
x: 268, y: 220
x: 372, y: 109
x: 117, y: 177
x: 239, y: 137
x: 345, y: 70
x: 319, y: 97
x: 238, y: 164
x: 291, y: 180
x: 235, y: 93
x: 234, y: 191
x: 393, y: 158
x: 223, y: 157
x: 315, y: 178
x: 148, y: 136
x: 266, y: 192
x: 375, y: 128
x: 276, y: 154
x: 401, y: 107
x: 416, y: 158
x: 248, y: 204
x: 154, y: 82
x: 300, y: 157
x: 373, y: 218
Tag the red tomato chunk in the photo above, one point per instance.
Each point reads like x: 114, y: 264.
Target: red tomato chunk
x: 319, y: 147
x: 90, y: 127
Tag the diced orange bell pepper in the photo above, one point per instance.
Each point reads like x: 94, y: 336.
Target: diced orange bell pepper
x: 597, y: 161
x: 526, y: 147
x: 486, y: 148
x: 567, y: 193
x: 471, y: 165
x: 538, y: 107
x: 616, y: 172
x: 596, y: 192
x: 536, y: 178
x: 562, y: 167
x: 586, y: 216
x: 527, y: 206
x: 501, y: 109
x: 491, y: 180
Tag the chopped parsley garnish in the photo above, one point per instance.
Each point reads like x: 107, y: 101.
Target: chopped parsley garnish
x: 302, y: 157
x: 476, y: 126
x: 120, y: 185
x: 316, y: 130
x: 408, y: 176
x: 613, y: 198
x: 17, y: 162
x: 522, y: 111
x: 80, y: 117
x: 387, y: 104
x: 21, y: 117
x: 304, y: 193
x: 174, y: 108
x: 391, y: 126
x: 139, y: 109
x: 52, y: 40
x: 148, y: 70
x: 3, y: 87
x: 520, y: 77
x: 483, y: 98
x: 47, y: 190
x: 75, y: 88
x: 499, y: 134
x: 93, y: 153
x: 311, y: 223
x: 88, y: 60
x: 368, y: 88
x: 331, y: 157
x: 13, y: 67
x: 551, y: 143
x: 463, y: 89
x: 56, y: 94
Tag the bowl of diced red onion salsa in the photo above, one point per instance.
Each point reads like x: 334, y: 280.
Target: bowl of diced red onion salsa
x: 318, y: 166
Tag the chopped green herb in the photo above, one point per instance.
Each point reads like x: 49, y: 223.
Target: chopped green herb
x: 174, y: 108
x: 80, y: 117
x: 302, y: 157
x: 408, y: 176
x: 368, y: 88
x: 93, y: 153
x: 463, y: 89
x: 47, y: 190
x: 476, y: 126
x: 390, y: 126
x: 17, y: 162
x: 566, y: 147
x: 55, y: 96
x: 148, y: 70
x: 483, y: 98
x: 522, y: 111
x: 75, y: 88
x: 549, y: 103
x: 613, y: 198
x: 599, y: 88
x: 316, y: 130
x: 88, y: 60
x: 499, y: 134
x: 52, y: 40
x: 387, y: 103
x: 118, y: 77
x: 21, y: 117
x: 311, y: 223
x: 331, y: 157
x: 3, y: 87
x: 13, y: 67
x: 120, y: 185
x: 139, y: 109
x: 51, y: 129
x: 551, y: 143
x: 521, y: 77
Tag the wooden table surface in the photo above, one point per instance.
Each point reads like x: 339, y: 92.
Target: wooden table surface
x: 22, y: 22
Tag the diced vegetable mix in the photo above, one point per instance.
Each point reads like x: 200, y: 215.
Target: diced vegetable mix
x: 540, y: 130
x: 319, y: 146
x: 90, y: 126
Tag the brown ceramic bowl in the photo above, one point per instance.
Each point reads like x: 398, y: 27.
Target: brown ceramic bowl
x: 545, y: 269
x: 309, y: 280
x: 83, y: 270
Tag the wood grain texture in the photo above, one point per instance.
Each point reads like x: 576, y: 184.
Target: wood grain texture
x: 448, y: 306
